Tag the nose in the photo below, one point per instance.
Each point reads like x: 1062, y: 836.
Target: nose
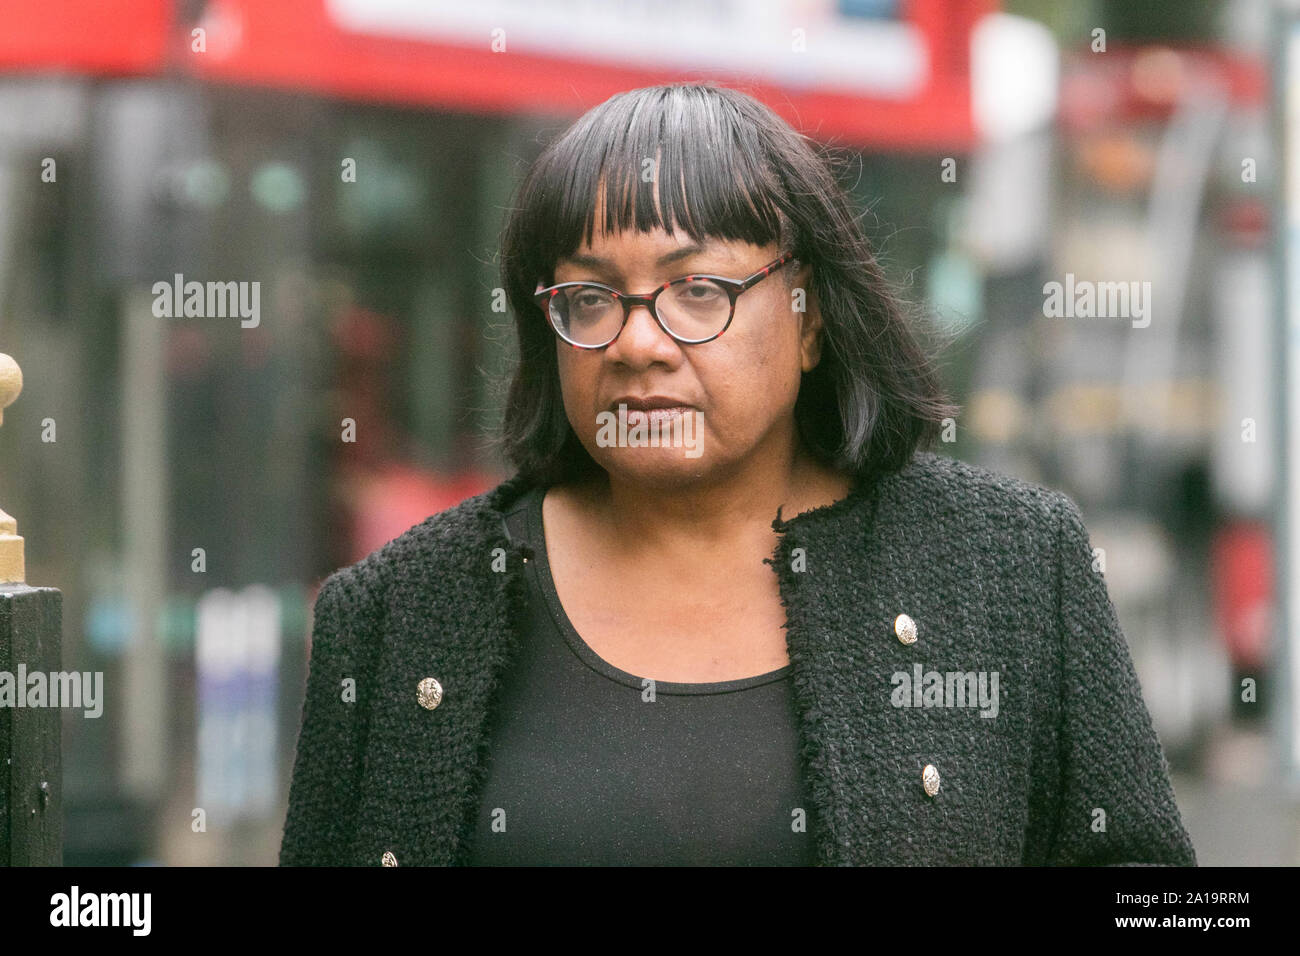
x: 642, y: 339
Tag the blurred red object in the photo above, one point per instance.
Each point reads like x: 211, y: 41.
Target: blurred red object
x: 1132, y: 84
x: 1242, y: 575
x: 391, y: 498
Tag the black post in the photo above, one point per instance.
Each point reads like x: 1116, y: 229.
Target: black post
x: 31, y: 769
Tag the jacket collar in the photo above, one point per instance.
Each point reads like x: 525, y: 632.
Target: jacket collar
x: 496, y: 502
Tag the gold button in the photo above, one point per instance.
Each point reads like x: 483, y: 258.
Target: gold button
x: 389, y: 859
x: 930, y: 779
x: 429, y: 693
x: 905, y: 628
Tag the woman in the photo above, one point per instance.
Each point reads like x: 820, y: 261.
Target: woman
x: 626, y: 654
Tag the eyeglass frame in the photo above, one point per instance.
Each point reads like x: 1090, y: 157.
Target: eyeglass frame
x: 733, y: 288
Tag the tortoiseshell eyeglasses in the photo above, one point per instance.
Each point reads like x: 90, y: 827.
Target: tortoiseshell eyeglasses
x: 692, y: 310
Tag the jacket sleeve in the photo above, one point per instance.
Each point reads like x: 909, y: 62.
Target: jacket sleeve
x: 1115, y: 803
x: 326, y: 772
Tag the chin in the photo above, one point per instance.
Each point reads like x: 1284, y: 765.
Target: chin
x: 665, y: 468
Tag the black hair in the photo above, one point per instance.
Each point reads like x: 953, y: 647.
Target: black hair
x: 727, y: 167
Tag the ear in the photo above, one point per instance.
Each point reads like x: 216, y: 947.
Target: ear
x: 810, y: 319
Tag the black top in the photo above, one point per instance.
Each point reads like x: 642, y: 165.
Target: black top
x: 589, y: 764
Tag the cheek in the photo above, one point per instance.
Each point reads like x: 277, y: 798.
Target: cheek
x: 577, y: 372
x: 770, y: 357
x: 752, y: 382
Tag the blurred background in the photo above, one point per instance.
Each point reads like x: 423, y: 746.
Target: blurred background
x: 188, y: 482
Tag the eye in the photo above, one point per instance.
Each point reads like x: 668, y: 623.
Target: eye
x: 698, y: 293
x: 702, y: 290
x: 589, y: 298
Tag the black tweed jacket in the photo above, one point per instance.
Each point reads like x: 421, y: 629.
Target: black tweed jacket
x: 996, y: 575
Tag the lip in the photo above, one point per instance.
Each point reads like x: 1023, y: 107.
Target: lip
x: 648, y: 402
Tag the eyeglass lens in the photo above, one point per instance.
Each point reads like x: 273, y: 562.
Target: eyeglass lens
x: 692, y: 309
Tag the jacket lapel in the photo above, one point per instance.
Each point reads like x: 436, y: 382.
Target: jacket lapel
x: 819, y: 561
x: 453, y: 607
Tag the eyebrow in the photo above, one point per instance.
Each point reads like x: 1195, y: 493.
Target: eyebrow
x: 595, y: 262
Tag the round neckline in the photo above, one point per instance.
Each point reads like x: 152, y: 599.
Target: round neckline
x: 587, y: 654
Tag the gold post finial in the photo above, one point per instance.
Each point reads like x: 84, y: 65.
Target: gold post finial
x: 12, y: 565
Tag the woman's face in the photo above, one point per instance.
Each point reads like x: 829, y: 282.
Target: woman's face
x: 740, y: 388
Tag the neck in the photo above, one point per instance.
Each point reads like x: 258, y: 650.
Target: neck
x: 707, y: 516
